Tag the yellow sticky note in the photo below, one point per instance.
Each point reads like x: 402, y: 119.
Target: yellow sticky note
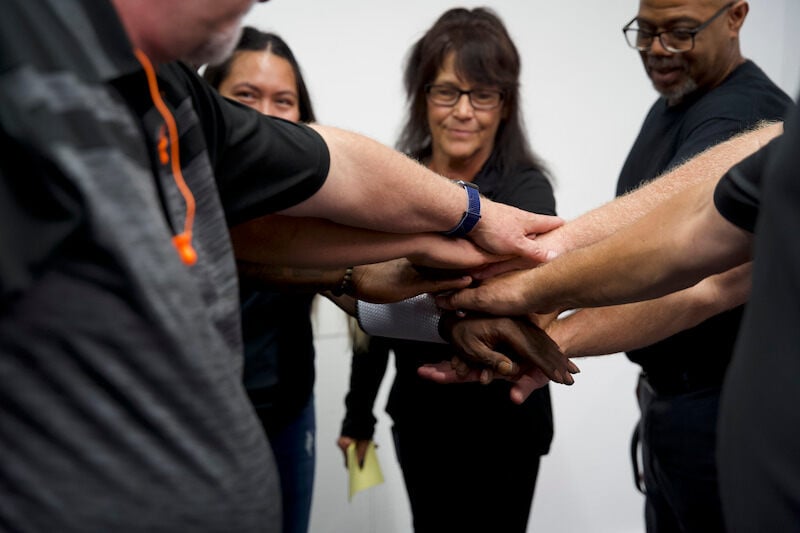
x: 366, y: 477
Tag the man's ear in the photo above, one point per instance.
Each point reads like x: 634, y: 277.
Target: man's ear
x: 736, y: 15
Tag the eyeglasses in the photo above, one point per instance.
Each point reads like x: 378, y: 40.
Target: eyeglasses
x: 674, y: 41
x: 447, y: 95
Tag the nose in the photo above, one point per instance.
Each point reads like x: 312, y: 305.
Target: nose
x: 463, y: 107
x: 264, y: 107
x: 657, y: 49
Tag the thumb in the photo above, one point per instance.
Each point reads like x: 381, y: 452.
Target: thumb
x: 449, y: 284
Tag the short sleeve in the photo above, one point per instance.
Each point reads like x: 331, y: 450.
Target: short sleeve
x: 737, y: 196
x: 261, y: 164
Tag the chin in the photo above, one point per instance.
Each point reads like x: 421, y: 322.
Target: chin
x: 216, y: 48
x: 675, y: 94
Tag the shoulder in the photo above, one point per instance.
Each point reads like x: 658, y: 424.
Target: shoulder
x: 745, y: 99
x: 747, y: 95
x: 526, y: 187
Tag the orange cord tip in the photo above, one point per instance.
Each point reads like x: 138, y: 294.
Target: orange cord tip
x: 183, y: 244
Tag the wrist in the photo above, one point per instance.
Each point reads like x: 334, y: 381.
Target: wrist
x: 472, y: 214
x: 345, y: 284
x: 446, y: 324
x: 414, y: 319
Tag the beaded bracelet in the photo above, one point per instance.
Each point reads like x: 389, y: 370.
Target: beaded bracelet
x: 346, y: 285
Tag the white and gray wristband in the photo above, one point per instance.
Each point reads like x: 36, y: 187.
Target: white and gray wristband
x: 415, y: 319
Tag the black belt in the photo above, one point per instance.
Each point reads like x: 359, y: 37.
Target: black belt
x: 685, y: 381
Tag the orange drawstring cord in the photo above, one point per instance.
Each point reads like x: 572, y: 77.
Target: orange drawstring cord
x: 182, y: 241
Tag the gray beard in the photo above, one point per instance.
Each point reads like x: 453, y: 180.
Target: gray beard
x: 215, y: 49
x: 677, y: 95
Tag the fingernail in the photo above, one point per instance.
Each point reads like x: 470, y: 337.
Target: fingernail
x: 507, y: 368
x: 573, y: 368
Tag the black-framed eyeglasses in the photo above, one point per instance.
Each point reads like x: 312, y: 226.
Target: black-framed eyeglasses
x: 674, y: 41
x: 448, y: 95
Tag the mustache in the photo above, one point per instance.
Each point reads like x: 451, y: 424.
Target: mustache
x: 662, y: 63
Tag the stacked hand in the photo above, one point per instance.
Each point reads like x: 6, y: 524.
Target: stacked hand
x: 511, y: 348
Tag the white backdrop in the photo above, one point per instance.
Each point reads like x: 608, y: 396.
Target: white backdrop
x: 584, y: 95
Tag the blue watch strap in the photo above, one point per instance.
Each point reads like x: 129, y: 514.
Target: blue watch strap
x: 473, y: 213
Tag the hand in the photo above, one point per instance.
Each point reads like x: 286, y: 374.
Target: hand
x: 393, y: 281
x: 506, y: 295
x: 508, y: 231
x: 553, y: 241
x: 438, y: 251
x: 446, y: 372
x: 481, y: 338
x: 361, y: 448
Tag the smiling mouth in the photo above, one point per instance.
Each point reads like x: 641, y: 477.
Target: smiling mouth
x: 461, y: 132
x: 665, y: 75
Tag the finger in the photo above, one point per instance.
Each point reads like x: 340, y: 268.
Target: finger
x: 463, y: 299
x: 361, y: 452
x: 543, y: 224
x: 535, y: 346
x: 449, y: 284
x: 526, y: 384
x: 495, y: 269
x: 445, y: 374
x: 343, y: 443
x: 461, y: 367
x: 535, y: 252
x: 437, y: 373
x: 493, y: 360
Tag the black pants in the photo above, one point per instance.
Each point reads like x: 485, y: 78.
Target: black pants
x: 466, y: 481
x: 678, y: 438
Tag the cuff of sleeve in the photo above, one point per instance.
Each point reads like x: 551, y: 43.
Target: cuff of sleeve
x: 415, y: 319
x: 359, y: 429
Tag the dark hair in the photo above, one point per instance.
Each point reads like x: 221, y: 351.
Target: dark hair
x: 485, y: 54
x: 259, y: 41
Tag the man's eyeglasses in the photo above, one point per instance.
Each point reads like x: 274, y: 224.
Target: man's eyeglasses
x: 674, y: 41
x: 447, y: 95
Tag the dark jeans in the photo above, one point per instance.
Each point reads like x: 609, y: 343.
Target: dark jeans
x: 678, y: 438
x: 466, y: 482
x: 294, y: 448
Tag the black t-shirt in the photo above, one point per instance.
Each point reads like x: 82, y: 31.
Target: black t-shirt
x: 669, y: 136
x: 278, y: 354
x: 759, y: 430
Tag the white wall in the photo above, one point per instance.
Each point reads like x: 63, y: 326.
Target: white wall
x: 585, y: 95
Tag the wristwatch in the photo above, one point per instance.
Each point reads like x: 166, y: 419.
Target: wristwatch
x: 473, y: 213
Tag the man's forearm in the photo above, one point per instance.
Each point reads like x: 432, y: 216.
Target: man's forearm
x: 674, y: 246
x: 289, y: 279
x: 707, y: 166
x: 608, y: 330
x: 371, y: 185
x: 319, y: 243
